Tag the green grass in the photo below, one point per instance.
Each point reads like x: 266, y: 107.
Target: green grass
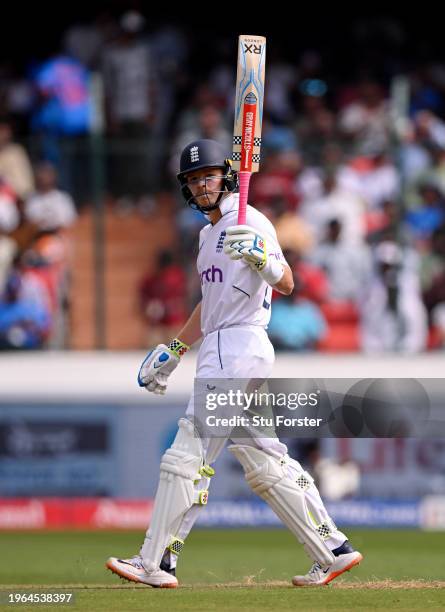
x: 229, y: 570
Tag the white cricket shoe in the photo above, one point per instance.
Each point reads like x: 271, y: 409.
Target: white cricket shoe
x: 133, y: 569
x: 317, y: 576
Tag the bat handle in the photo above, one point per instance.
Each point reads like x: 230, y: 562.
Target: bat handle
x: 244, y: 180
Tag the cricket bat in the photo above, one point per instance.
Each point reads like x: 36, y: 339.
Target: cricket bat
x: 248, y: 113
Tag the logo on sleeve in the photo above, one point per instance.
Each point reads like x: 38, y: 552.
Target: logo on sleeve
x: 220, y: 243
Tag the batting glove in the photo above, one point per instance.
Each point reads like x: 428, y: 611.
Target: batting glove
x: 243, y: 241
x: 159, y: 364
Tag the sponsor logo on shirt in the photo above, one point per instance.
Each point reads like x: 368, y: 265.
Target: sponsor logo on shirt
x: 220, y: 243
x: 212, y: 275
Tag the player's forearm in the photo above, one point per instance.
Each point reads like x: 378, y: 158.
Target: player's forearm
x: 286, y: 283
x: 191, y: 332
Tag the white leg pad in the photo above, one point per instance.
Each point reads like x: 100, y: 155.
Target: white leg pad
x: 180, y: 467
x: 267, y: 477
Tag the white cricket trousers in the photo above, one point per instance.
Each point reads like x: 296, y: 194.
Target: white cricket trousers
x: 243, y: 352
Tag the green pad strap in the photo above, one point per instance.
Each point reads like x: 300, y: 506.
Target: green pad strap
x: 207, y: 470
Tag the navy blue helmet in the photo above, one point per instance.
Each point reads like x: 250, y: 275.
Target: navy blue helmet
x: 205, y: 154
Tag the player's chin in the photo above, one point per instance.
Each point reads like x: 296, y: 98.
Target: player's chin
x: 205, y: 202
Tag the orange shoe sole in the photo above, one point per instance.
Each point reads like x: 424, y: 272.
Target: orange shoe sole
x: 332, y: 576
x: 345, y: 569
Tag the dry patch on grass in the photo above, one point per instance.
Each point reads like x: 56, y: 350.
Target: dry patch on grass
x: 248, y: 582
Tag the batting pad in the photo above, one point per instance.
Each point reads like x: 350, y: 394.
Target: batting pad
x: 180, y: 470
x: 267, y: 477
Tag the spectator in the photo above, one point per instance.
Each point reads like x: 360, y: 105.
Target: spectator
x: 189, y: 222
x: 202, y: 95
x: 292, y: 232
x: 377, y: 177
x: 295, y: 325
x: 425, y: 94
x: 162, y: 298
x: 436, y: 171
x: 16, y: 97
x: 25, y: 318
x: 297, y: 322
x: 385, y: 223
x: 438, y: 320
x: 430, y: 129
x: 316, y: 125
x: 64, y: 107
x: 62, y: 120
x: 8, y: 249
x: 414, y: 157
x: 9, y: 212
x: 310, y: 180
x: 85, y: 41
x: 345, y: 264
x: 430, y: 213
x: 170, y: 50
x: 366, y: 121
x: 15, y: 167
x: 310, y: 281
x: 129, y: 79
x: 320, y: 161
x: 433, y: 263
x: 338, y: 202
x: 281, y: 78
x: 277, y: 139
x: 208, y: 124
x: 393, y: 317
x: 276, y: 182
x: 9, y: 221
x: 49, y: 208
x: 222, y: 81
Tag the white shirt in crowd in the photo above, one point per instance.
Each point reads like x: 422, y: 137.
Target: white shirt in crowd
x: 51, y: 210
x: 383, y: 329
x: 347, y: 265
x: 232, y: 293
x: 16, y: 170
x: 9, y: 214
x: 346, y: 206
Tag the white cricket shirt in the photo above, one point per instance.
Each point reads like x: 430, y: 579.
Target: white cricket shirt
x: 232, y: 293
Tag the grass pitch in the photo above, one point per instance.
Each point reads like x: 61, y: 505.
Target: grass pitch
x: 227, y: 570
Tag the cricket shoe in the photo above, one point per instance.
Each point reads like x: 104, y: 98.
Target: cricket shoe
x: 133, y: 570
x: 345, y: 560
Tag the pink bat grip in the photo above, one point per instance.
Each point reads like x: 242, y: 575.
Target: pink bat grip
x: 244, y: 180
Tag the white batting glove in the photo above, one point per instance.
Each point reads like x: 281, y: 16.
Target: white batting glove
x: 243, y: 241
x: 159, y: 364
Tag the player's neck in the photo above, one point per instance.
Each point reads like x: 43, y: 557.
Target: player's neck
x: 214, y: 216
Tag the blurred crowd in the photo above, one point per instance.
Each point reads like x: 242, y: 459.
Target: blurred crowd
x: 35, y: 217
x: 352, y: 176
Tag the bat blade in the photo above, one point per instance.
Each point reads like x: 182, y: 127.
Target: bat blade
x: 248, y: 112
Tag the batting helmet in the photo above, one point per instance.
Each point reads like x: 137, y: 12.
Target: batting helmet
x: 201, y: 154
